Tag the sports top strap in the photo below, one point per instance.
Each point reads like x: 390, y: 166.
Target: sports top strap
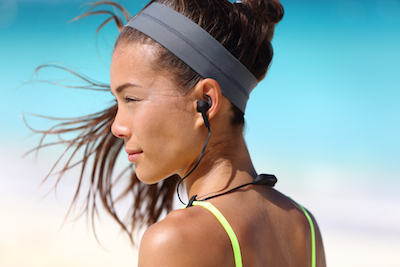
x: 313, y: 246
x: 234, y: 240
x: 232, y: 236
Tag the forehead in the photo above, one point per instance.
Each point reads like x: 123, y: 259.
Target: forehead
x: 133, y: 63
x: 130, y: 59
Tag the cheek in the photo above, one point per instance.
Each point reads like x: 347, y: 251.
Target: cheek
x: 164, y: 132
x: 151, y: 125
x: 164, y: 125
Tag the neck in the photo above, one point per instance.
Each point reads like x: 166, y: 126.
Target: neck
x: 223, y: 167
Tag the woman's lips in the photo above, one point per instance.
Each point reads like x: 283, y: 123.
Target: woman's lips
x: 133, y: 156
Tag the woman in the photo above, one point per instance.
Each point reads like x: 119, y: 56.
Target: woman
x: 181, y: 72
x: 159, y: 120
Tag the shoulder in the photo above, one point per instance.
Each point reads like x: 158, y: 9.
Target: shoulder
x: 320, y: 252
x: 184, y: 238
x: 165, y: 243
x: 295, y: 226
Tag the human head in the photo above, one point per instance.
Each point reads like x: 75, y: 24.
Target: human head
x: 245, y: 29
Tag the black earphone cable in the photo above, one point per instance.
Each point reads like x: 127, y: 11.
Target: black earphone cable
x: 195, y: 166
x: 262, y: 179
x: 227, y: 192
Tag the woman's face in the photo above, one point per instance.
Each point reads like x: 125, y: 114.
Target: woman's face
x: 155, y: 120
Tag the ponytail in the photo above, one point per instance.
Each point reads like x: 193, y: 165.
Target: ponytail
x: 256, y: 20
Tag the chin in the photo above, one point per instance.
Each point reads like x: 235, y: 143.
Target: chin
x: 150, y: 177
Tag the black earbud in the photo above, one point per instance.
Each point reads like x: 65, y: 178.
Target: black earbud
x: 202, y: 107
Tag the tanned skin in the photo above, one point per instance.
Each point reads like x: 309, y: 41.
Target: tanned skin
x: 164, y: 134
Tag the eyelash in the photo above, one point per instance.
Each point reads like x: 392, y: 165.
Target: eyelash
x: 130, y: 99
x: 127, y: 100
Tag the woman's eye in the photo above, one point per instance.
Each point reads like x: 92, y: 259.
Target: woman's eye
x: 130, y: 99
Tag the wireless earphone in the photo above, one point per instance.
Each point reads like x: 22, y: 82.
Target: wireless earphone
x: 202, y: 107
x: 262, y: 179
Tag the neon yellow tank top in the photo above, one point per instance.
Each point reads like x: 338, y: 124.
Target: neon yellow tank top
x: 234, y: 241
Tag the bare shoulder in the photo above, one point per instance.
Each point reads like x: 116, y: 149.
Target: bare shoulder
x: 184, y: 238
x: 165, y: 243
x: 294, y: 226
x: 320, y: 252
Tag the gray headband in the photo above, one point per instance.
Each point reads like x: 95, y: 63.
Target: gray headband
x: 198, y: 49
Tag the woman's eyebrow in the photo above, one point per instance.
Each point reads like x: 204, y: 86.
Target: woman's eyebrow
x: 123, y: 86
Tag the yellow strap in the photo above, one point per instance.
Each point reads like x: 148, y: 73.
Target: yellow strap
x: 235, y: 242
x: 232, y: 236
x: 313, y: 246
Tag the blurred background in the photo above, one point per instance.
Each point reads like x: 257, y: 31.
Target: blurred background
x: 325, y: 121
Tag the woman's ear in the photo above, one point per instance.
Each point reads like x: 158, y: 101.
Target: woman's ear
x: 209, y: 90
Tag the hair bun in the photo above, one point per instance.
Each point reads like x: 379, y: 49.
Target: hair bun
x: 266, y: 12
x: 270, y: 10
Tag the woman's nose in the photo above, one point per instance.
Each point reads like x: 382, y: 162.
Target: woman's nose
x: 120, y: 127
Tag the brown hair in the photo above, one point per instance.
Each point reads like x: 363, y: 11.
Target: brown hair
x: 244, y: 28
